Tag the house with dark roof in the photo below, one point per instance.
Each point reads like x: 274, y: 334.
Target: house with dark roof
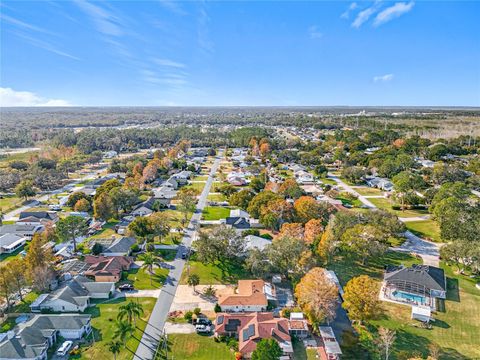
x: 144, y: 208
x: 73, y: 296
x: 418, y: 285
x: 33, y: 338
x: 107, y: 268
x: 237, y: 222
x: 250, y: 328
x: 37, y: 217
x: 119, y: 247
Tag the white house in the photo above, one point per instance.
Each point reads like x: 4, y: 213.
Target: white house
x: 11, y: 242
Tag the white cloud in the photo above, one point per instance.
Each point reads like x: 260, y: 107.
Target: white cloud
x: 24, y: 25
x: 106, y: 22
x: 173, y: 6
x: 10, y: 97
x: 169, y: 63
x: 46, y: 46
x: 347, y: 12
x: 383, y: 78
x: 314, y: 32
x: 364, y: 15
x: 393, y: 12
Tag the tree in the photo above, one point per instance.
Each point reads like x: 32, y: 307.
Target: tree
x: 290, y: 189
x: 187, y: 202
x: 150, y: 172
x: 193, y: 280
x: 6, y: 286
x: 72, y: 227
x: 258, y: 264
x: 131, y: 311
x: 97, y: 249
x: 264, y: 149
x: 456, y: 251
x: 25, y: 189
x: 407, y: 182
x: 259, y: 201
x: 386, y: 338
x: 123, y: 198
x: 75, y: 197
x: 114, y: 347
x: 285, y: 254
x: 160, y: 224
x: 18, y: 276
x: 267, y: 349
x: 258, y: 182
x: 220, y: 243
x: 321, y: 171
x: 293, y: 230
x: 313, y: 230
x: 150, y: 260
x: 241, y: 199
x: 360, y: 298
x: 307, y: 208
x: 317, y: 295
x: 103, y: 207
x: 106, y: 187
x: 37, y: 256
x: 123, y: 331
x: 365, y: 240
x: 42, y: 278
x: 458, y: 190
x: 354, y: 174
x: 276, y: 213
x: 82, y: 205
x: 141, y: 226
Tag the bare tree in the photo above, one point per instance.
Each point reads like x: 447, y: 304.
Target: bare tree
x: 386, y: 339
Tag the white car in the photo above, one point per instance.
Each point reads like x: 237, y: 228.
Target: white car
x: 203, y: 328
x: 63, y: 350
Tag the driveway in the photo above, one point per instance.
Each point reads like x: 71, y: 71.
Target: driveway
x: 171, y: 328
x: 427, y: 250
x: 154, y: 329
x: 154, y: 293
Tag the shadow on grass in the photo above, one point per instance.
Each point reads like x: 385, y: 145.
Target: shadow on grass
x: 453, y: 292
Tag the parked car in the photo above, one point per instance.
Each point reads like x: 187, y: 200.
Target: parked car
x: 184, y: 255
x: 126, y: 287
x: 203, y: 328
x: 63, y: 349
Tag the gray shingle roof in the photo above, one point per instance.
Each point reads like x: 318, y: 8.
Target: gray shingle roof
x: 430, y: 277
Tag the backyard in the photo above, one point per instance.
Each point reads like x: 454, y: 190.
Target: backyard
x: 198, y: 347
x: 103, y: 322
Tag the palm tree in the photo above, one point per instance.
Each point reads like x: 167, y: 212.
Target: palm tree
x: 114, y: 347
x: 131, y: 311
x: 193, y: 280
x: 123, y: 331
x: 150, y: 259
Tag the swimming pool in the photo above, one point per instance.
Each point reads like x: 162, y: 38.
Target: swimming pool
x: 400, y: 295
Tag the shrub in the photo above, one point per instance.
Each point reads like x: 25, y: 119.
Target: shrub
x: 135, y: 248
x: 255, y: 232
x: 267, y: 236
x: 97, y: 248
x: 150, y: 247
x: 197, y: 311
x: 188, y: 316
x: 217, y: 308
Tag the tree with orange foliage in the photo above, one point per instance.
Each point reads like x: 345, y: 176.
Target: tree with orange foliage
x: 294, y: 230
x: 307, y: 208
x: 317, y: 295
x: 290, y: 189
x: 265, y: 149
x: 149, y: 172
x: 313, y: 230
x: 276, y: 213
x: 399, y: 143
x: 138, y: 169
x: 272, y: 186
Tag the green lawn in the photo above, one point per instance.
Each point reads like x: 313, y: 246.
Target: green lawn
x: 216, y: 197
x: 328, y: 181
x: 226, y: 272
x: 103, y: 322
x: 5, y: 258
x: 456, y: 330
x: 24, y: 307
x: 386, y: 204
x: 175, y: 217
x: 8, y: 203
x: 200, y: 178
x: 368, y: 191
x: 171, y: 239
x: 301, y: 353
x: 198, y: 347
x: 197, y: 186
x: 167, y: 255
x: 427, y: 229
x: 141, y: 279
x: 215, y: 213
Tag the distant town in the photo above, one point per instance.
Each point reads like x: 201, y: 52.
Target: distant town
x: 240, y: 233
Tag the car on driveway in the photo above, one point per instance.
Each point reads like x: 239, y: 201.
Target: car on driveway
x: 126, y: 287
x: 63, y: 349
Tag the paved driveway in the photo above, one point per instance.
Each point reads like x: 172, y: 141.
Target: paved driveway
x: 154, y: 329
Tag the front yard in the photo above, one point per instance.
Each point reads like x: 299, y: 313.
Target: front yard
x: 386, y: 204
x: 215, y: 213
x: 198, y: 347
x: 103, y: 321
x: 226, y: 272
x: 142, y: 280
x: 427, y: 229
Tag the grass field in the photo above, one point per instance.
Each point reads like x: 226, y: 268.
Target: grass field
x: 368, y: 191
x: 166, y: 255
x: 216, y: 197
x: 328, y: 181
x: 103, y: 322
x: 200, y: 178
x: 456, y: 330
x: 386, y: 204
x: 142, y: 280
x: 196, y: 186
x: 176, y: 217
x: 427, y: 229
x: 198, y: 347
x: 215, y: 213
x: 8, y: 203
x: 226, y: 272
x: 301, y: 353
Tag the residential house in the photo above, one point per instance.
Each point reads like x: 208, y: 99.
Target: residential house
x: 250, y: 328
x: 164, y: 195
x: 172, y: 183
x: 418, y: 285
x: 251, y: 295
x: 304, y: 177
x: 298, y: 325
x: 23, y: 230
x: 120, y: 247
x: 182, y: 177
x: 33, y: 338
x: 236, y: 180
x: 10, y: 243
x: 256, y: 242
x: 239, y: 213
x: 330, y: 349
x: 37, y: 217
x: 380, y: 183
x: 144, y: 208
x: 239, y: 223
x: 73, y: 296
x: 107, y: 268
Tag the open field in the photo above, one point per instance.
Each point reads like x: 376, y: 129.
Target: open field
x: 198, y: 186
x: 103, y: 322
x: 368, y: 191
x: 226, y: 272
x: 143, y: 280
x: 197, y: 347
x: 427, y: 229
x: 216, y: 197
x: 8, y: 203
x: 386, y: 204
x: 215, y: 213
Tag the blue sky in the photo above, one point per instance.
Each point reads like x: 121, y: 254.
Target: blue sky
x: 240, y: 53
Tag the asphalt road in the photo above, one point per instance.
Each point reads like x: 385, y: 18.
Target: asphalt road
x: 153, y: 331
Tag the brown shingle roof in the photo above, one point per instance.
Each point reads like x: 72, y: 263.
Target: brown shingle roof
x: 249, y: 292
